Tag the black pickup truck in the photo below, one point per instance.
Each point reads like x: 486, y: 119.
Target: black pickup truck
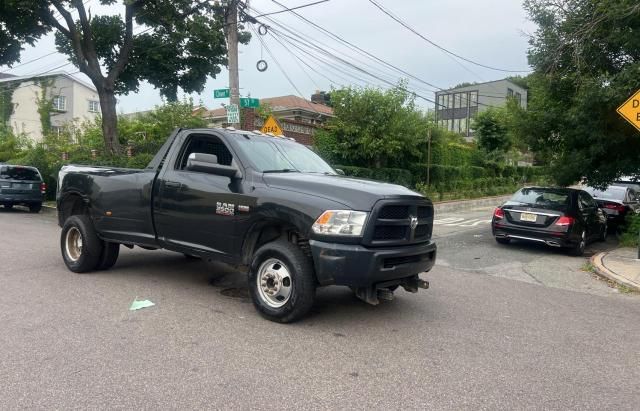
x: 265, y: 204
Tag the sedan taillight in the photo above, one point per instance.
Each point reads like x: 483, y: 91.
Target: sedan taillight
x: 43, y: 188
x: 565, y: 221
x: 498, y: 213
x: 617, y: 207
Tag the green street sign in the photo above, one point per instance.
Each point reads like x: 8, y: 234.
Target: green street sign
x: 221, y: 93
x: 249, y: 102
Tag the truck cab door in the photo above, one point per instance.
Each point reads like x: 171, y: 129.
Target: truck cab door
x: 195, y: 210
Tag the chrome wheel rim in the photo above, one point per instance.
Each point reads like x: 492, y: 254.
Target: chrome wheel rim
x: 73, y: 244
x: 583, y: 241
x: 274, y: 283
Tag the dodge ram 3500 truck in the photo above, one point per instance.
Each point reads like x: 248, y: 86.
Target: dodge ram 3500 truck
x: 265, y: 204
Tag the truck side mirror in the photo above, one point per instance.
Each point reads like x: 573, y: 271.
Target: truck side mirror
x: 208, y: 163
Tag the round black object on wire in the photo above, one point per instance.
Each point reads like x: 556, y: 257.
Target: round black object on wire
x: 262, y: 65
x: 262, y: 30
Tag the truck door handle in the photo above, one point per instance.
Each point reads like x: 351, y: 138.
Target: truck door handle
x: 172, y: 184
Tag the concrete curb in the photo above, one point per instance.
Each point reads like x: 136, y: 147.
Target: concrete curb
x: 603, y: 271
x: 460, y: 205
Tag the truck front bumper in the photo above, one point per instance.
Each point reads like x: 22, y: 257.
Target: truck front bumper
x: 354, y: 265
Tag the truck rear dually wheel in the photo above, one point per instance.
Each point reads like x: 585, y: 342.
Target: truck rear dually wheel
x: 81, y: 248
x: 282, y: 282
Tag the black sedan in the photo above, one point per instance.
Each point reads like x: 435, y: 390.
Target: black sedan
x: 559, y: 217
x: 617, y: 201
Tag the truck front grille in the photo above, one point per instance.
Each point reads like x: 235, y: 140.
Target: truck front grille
x: 391, y: 223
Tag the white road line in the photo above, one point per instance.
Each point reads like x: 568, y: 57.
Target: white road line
x: 460, y: 222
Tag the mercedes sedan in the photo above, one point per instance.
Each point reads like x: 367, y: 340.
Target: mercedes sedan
x: 558, y: 217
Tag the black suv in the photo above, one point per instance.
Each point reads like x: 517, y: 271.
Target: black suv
x: 21, y: 185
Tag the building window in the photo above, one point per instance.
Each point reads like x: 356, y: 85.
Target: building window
x: 457, y: 101
x: 519, y: 99
x: 59, y: 103
x: 456, y: 125
x: 57, y: 130
x: 473, y: 99
x: 464, y: 100
x: 509, y: 92
x: 463, y: 126
x: 94, y: 106
x: 441, y: 102
x: 449, y: 100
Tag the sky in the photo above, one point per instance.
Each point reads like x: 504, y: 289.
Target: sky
x: 491, y: 32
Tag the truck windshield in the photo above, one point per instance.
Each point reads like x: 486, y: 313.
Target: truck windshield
x: 279, y: 155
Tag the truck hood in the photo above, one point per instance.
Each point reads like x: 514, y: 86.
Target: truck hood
x: 357, y: 193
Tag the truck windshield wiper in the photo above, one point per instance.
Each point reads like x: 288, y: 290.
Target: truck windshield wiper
x: 282, y: 170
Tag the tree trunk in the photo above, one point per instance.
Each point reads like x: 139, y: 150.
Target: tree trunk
x: 109, y: 120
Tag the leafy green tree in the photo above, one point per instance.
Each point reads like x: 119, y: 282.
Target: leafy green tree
x: 492, y: 132
x: 374, y: 128
x: 586, y: 56
x: 182, y: 43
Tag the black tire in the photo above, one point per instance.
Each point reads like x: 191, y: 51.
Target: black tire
x: 603, y: 233
x: 578, y: 249
x: 109, y: 256
x: 8, y: 206
x: 302, y: 281
x: 87, y: 256
x: 503, y: 240
x: 35, y: 208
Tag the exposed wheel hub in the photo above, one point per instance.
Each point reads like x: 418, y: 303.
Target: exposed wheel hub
x: 274, y: 283
x: 73, y: 244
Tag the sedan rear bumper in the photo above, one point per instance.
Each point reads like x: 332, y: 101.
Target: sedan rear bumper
x: 550, y: 238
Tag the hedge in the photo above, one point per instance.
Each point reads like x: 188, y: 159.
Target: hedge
x: 389, y: 175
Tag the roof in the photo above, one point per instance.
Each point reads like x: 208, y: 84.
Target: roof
x: 50, y: 74
x: 284, y: 103
x: 480, y: 84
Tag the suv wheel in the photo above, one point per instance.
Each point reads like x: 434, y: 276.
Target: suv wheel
x: 603, y: 233
x: 282, y: 282
x: 81, y: 248
x: 35, y: 208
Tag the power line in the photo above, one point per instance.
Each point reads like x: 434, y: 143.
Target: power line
x: 405, y: 25
x: 290, y: 9
x: 359, y: 49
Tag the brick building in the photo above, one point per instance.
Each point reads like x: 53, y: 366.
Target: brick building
x: 298, y: 117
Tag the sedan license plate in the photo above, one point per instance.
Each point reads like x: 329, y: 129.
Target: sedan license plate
x: 528, y: 217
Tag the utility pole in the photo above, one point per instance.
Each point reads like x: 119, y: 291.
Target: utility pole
x: 429, y: 157
x: 231, y: 33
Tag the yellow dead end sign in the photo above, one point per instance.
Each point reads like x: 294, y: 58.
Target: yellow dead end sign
x: 272, y: 126
x: 630, y: 110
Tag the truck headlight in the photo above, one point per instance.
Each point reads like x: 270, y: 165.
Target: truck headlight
x: 340, y: 222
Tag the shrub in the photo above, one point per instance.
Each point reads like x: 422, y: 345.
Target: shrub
x: 630, y: 235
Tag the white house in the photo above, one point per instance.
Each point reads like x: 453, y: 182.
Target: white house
x: 73, y: 101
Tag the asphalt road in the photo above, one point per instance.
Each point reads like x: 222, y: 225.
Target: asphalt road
x: 494, y: 331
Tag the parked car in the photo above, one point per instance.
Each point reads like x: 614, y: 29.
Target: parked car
x: 558, y: 217
x: 21, y: 185
x: 267, y: 205
x: 617, y: 202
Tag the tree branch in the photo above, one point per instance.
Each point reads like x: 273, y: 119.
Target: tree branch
x: 127, y: 46
x: 90, y: 68
x: 87, y: 37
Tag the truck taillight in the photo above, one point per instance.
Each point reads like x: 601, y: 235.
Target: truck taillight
x: 43, y: 188
x: 498, y: 213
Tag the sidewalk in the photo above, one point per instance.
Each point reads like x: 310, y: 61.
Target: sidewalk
x: 620, y: 265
